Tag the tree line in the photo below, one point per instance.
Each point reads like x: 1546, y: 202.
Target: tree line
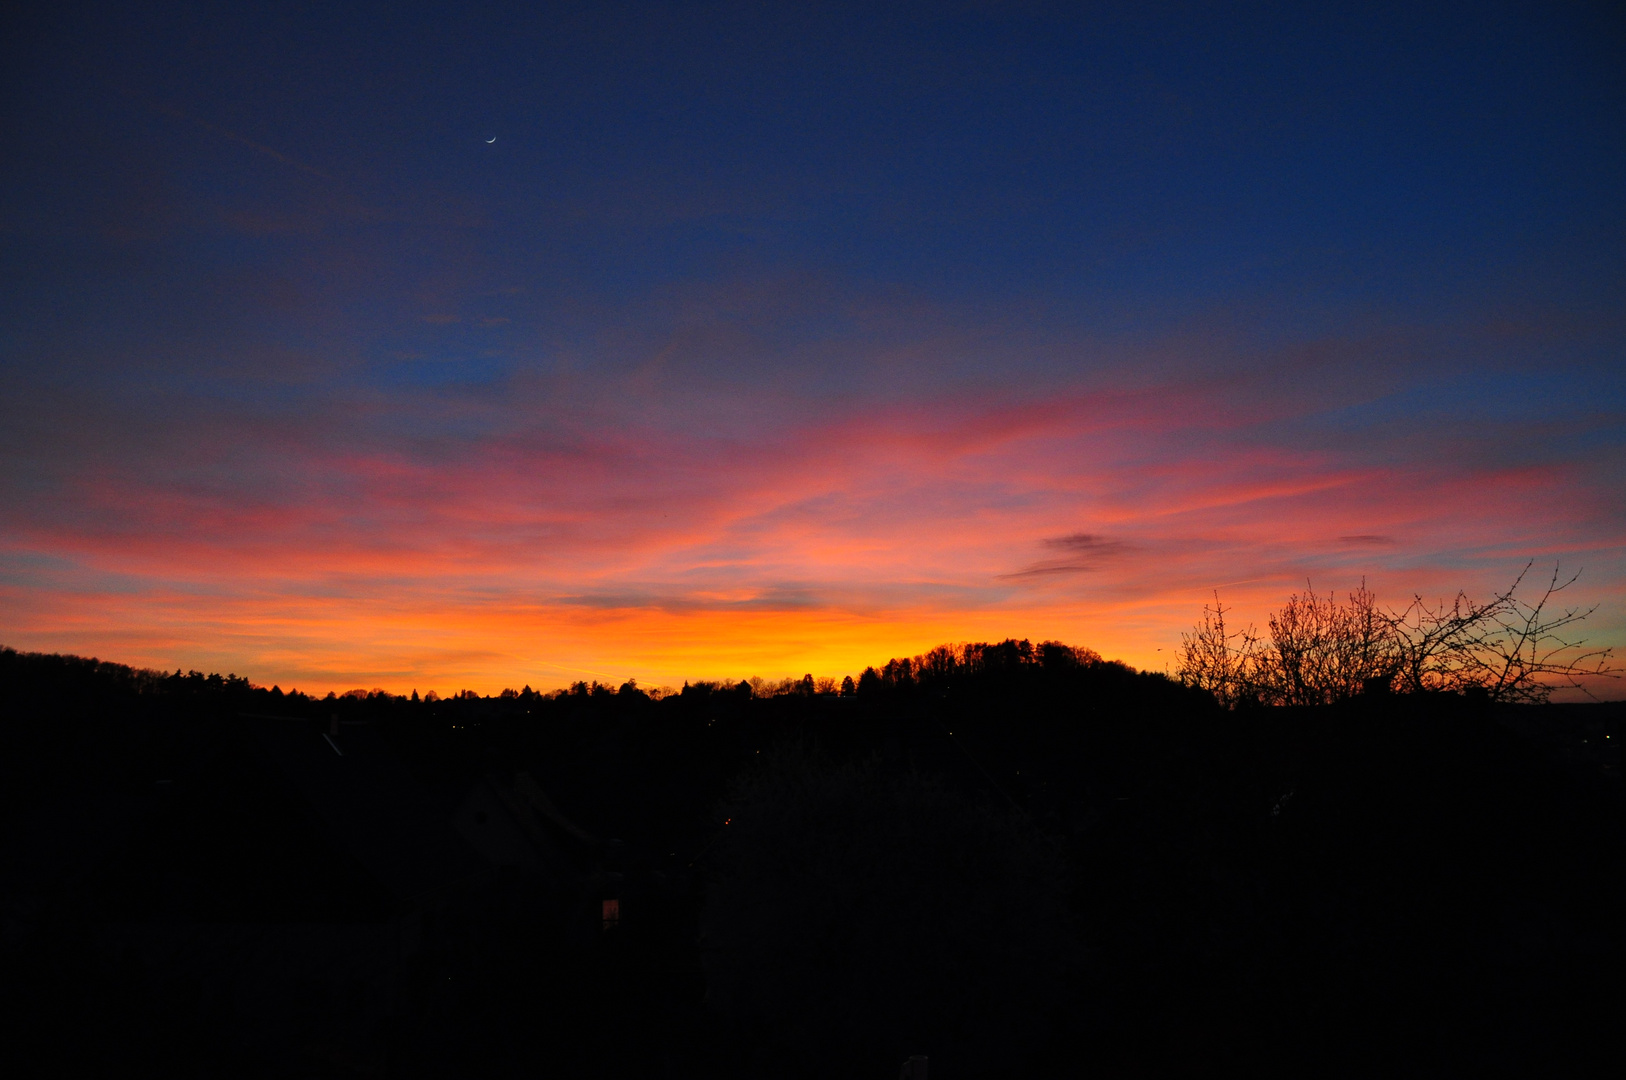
x: 1015, y: 857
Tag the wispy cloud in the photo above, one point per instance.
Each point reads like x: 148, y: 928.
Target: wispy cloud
x: 345, y: 547
x: 1084, y: 553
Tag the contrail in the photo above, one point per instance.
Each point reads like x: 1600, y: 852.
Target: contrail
x: 1228, y: 584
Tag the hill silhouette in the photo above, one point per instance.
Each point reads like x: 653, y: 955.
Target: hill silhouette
x: 1008, y: 857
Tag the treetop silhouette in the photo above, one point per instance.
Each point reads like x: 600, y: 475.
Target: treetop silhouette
x: 1321, y: 650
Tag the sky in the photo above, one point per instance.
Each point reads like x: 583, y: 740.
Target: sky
x: 456, y: 346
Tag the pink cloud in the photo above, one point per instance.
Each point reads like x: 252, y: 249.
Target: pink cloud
x: 938, y: 517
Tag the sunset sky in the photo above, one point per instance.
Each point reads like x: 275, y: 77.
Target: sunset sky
x: 770, y: 339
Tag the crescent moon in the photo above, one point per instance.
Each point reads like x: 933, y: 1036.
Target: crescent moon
x: 491, y: 140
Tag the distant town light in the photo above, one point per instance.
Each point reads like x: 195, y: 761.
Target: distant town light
x: 612, y: 913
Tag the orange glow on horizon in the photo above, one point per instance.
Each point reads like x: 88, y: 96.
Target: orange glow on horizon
x: 823, y: 551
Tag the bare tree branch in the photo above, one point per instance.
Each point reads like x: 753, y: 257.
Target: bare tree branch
x: 1322, y: 650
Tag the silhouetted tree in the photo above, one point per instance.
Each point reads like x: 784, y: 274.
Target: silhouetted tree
x: 1220, y: 660
x: 1511, y: 649
x: 1322, y: 650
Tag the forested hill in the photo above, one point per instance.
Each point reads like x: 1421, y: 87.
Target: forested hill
x: 1006, y: 856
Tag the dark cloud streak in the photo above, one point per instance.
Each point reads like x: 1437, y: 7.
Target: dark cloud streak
x: 1086, y: 553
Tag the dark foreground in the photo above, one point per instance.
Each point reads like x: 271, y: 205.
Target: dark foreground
x: 1034, y: 865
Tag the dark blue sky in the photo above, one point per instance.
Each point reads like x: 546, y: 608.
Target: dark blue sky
x: 262, y: 265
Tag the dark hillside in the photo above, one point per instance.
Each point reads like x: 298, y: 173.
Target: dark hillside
x: 1010, y: 858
